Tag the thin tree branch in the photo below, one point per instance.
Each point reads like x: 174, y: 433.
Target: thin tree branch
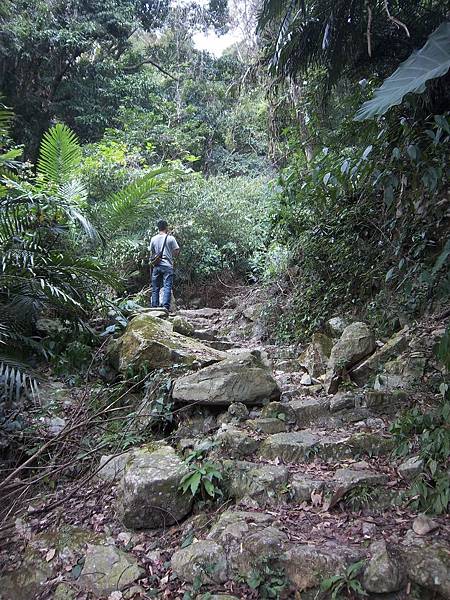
x: 149, y: 61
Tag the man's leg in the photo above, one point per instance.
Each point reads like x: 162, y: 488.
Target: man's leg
x: 168, y: 282
x: 156, y: 284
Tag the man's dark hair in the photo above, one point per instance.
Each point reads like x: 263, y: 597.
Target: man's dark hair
x: 161, y: 225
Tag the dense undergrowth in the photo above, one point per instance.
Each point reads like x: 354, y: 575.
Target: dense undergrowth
x: 366, y: 224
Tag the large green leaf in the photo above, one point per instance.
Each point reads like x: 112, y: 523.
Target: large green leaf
x: 431, y: 61
x: 123, y: 209
x: 59, y: 154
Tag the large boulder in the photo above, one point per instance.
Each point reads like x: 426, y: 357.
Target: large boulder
x: 383, y: 573
x: 427, y: 563
x: 368, y: 369
x: 107, y: 569
x: 149, y: 492
x: 315, y: 358
x: 242, y: 378
x: 357, y: 342
x: 203, y: 561
x: 151, y: 342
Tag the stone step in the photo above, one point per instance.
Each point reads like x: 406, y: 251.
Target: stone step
x: 305, y: 445
x: 268, y: 484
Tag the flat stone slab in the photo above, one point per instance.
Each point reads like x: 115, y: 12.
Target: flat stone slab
x: 309, y: 410
x: 267, y: 425
x: 262, y: 482
x: 204, y: 561
x: 241, y: 378
x: 305, y: 445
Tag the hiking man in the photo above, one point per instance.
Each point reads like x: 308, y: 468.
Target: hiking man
x: 163, y: 249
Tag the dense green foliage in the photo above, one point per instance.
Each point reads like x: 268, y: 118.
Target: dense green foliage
x: 167, y: 131
x: 363, y: 212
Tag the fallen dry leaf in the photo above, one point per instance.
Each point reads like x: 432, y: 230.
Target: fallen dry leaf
x: 50, y: 554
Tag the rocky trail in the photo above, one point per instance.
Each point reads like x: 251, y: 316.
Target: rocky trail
x: 300, y: 496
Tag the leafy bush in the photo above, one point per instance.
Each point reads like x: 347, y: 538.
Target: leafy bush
x: 345, y: 583
x: 269, y: 581
x: 366, y: 224
x: 426, y: 433
x: 203, y: 478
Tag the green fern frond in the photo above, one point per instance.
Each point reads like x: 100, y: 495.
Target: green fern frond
x: 59, y: 155
x: 6, y: 116
x: 16, y: 379
x: 123, y: 209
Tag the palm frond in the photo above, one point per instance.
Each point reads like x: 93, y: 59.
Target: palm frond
x: 6, y: 116
x: 17, y: 379
x: 123, y: 209
x: 59, y: 155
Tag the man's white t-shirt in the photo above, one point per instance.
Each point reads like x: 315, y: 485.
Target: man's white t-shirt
x: 156, y: 245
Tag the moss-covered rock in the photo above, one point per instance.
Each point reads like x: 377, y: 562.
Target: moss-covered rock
x: 182, y: 326
x: 315, y: 358
x: 152, y: 343
x: 106, y: 569
x: 203, y: 561
x: 261, y: 482
x: 242, y: 378
x: 149, y: 494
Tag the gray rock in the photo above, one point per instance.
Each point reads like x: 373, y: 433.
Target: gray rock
x: 411, y: 467
x: 422, y: 525
x: 350, y: 478
x: 307, y: 565
x: 54, y: 425
x: 385, y: 401
x: 204, y: 561
x: 248, y: 538
x: 309, y: 409
x: 383, y: 573
x: 258, y: 546
x: 368, y: 529
x: 302, y: 487
x: 264, y: 483
x: 197, y: 424
x: 238, y: 411
x: 113, y: 467
x: 240, y: 378
x: 233, y: 526
x: 342, y: 401
x: 27, y: 581
x: 182, y: 326
x: 336, y: 325
x: 306, y: 379
x: 427, y: 563
x: 276, y: 409
x: 107, y: 569
x: 315, y: 358
x: 357, y: 342
x: 267, y: 425
x: 149, y: 493
x: 367, y: 370
x: 151, y: 342
x: 300, y: 446
x: 51, y: 327
x: 236, y: 443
